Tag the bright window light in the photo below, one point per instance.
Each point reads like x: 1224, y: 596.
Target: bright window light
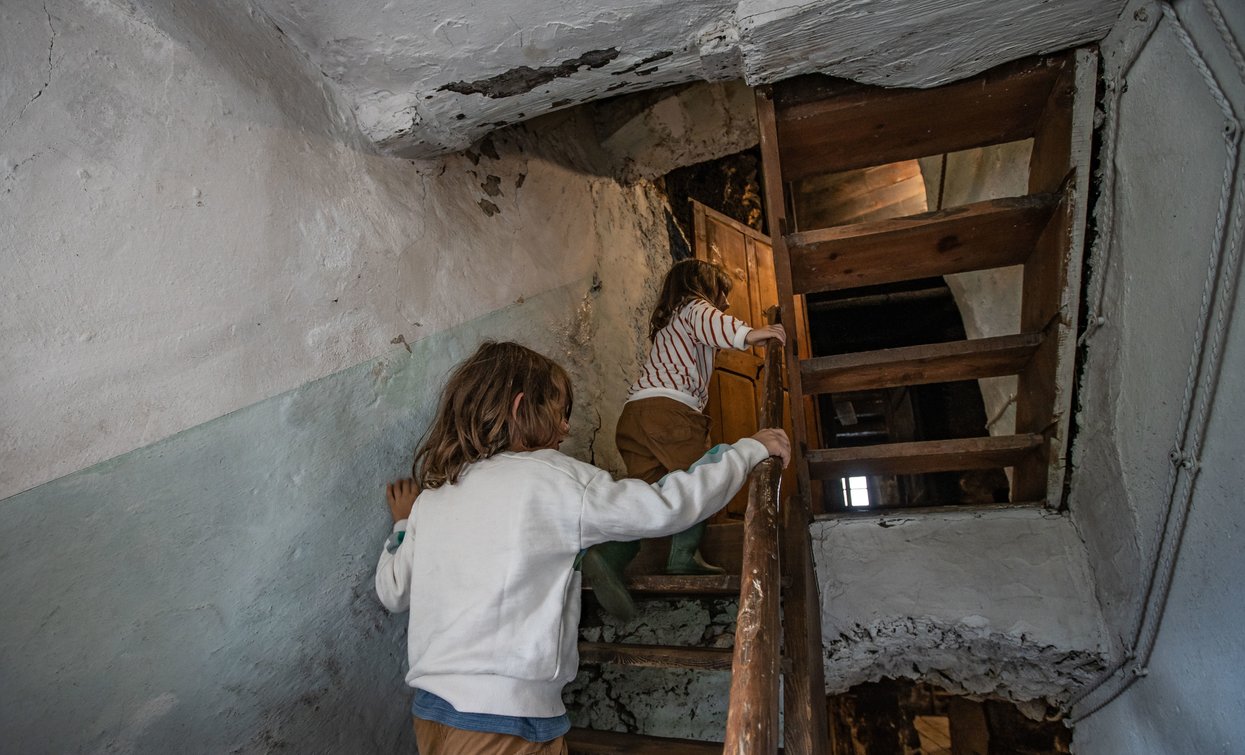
x: 856, y: 492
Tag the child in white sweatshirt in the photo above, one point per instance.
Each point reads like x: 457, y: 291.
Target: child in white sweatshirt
x: 485, y: 558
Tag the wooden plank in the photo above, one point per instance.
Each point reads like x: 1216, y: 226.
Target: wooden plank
x: 594, y: 742
x: 917, y: 365
x: 854, y: 126
x: 978, y: 236
x: 1052, y: 278
x: 775, y: 208
x: 805, y: 730
x: 682, y: 584
x: 920, y: 457
x: 892, y: 512
x: 655, y: 656
x: 752, y: 719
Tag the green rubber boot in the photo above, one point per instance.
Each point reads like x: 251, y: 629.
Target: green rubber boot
x: 604, y: 565
x: 685, y: 555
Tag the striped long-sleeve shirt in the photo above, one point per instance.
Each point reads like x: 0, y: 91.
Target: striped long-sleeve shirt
x: 680, y: 361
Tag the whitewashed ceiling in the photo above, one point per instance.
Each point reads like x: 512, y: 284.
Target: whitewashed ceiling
x: 431, y: 76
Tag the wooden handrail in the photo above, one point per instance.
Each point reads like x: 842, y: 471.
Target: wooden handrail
x: 752, y: 719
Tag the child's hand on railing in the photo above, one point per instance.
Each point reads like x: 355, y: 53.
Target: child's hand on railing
x: 776, y: 442
x: 759, y: 335
x: 400, y: 496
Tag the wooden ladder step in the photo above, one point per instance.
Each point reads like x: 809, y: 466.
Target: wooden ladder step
x: 905, y: 512
x: 978, y: 236
x: 924, y: 456
x: 596, y: 742
x: 916, y: 365
x: 827, y: 125
x: 679, y: 584
x: 656, y: 656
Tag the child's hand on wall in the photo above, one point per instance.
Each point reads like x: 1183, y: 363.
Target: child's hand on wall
x: 760, y: 335
x: 400, y: 495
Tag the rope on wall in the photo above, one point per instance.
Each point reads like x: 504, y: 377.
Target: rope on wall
x: 1218, y: 297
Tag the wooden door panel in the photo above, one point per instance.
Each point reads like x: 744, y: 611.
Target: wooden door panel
x: 735, y: 415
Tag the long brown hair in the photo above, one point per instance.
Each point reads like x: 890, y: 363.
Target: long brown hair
x: 687, y: 280
x: 475, y: 419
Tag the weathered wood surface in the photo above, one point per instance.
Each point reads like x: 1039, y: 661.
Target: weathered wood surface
x: 681, y: 584
x: 825, y: 126
x: 978, y: 236
x: 752, y: 719
x: 924, y: 456
x: 883, y: 512
x: 594, y: 742
x: 655, y: 656
x: 917, y: 365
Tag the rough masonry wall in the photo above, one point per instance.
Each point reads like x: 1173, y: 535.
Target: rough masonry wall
x: 191, y: 225
x: 1157, y: 484
x: 225, y: 322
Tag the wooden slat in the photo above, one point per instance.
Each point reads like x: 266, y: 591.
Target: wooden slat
x: 776, y: 215
x: 594, y: 742
x: 925, y: 456
x: 917, y: 365
x: 978, y: 236
x: 804, y: 685
x: 885, y: 512
x: 682, y: 584
x: 655, y: 656
x: 854, y: 126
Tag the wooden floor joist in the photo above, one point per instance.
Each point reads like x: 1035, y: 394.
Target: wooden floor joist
x: 924, y: 456
x: 595, y: 742
x: 917, y: 365
x: 655, y: 656
x: 978, y: 236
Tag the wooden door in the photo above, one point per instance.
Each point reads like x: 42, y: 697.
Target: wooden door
x: 735, y: 390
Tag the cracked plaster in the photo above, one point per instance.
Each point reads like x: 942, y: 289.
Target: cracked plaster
x: 400, y: 66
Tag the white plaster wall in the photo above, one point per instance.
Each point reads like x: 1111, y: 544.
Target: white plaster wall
x: 989, y: 300
x: 995, y: 603
x: 191, y: 223
x: 394, y: 61
x: 1145, y: 381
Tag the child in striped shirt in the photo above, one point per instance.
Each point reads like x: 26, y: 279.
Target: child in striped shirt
x: 663, y: 427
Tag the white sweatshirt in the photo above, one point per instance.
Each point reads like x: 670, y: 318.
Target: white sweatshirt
x: 486, y: 567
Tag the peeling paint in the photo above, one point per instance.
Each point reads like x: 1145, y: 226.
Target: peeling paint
x: 525, y: 79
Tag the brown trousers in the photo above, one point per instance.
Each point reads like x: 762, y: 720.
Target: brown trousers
x: 656, y: 436
x: 434, y: 738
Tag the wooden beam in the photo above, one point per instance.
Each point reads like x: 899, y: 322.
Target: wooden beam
x: 917, y: 365
x: 994, y: 233
x: 593, y: 742
x: 655, y: 656
x: 847, y: 126
x: 925, y: 456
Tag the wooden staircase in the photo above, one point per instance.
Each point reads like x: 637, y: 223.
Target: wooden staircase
x: 813, y: 126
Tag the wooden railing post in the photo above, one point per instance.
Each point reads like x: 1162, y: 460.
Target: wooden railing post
x: 752, y: 721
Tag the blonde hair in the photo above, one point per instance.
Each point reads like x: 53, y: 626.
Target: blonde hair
x: 477, y: 418
x: 687, y: 280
